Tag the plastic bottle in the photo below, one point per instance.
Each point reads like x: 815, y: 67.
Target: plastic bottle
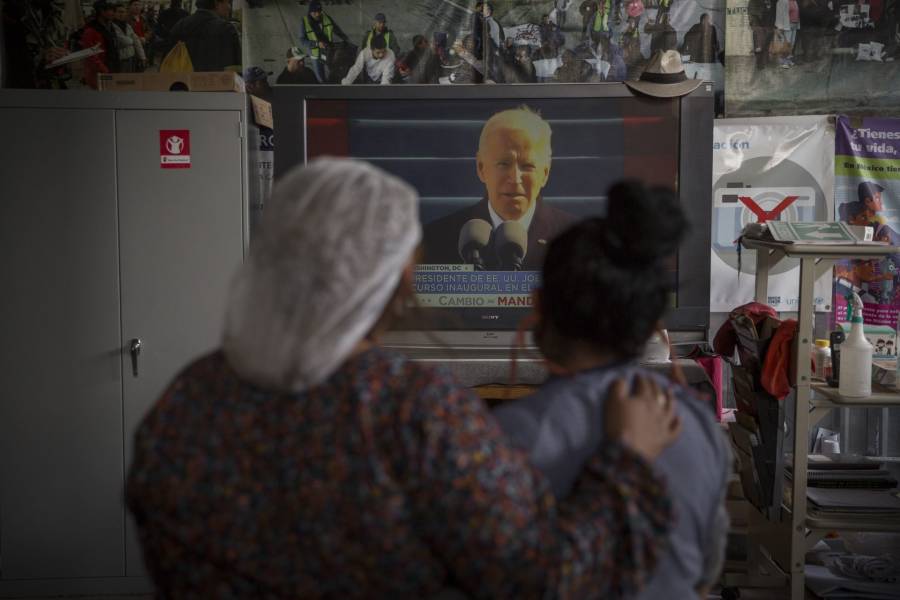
x: 822, y: 359
x: 836, y: 338
x: 855, y: 380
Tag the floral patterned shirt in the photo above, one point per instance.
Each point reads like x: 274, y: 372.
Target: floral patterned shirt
x: 387, y: 480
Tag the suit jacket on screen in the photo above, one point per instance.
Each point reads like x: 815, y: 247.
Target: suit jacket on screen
x: 441, y: 236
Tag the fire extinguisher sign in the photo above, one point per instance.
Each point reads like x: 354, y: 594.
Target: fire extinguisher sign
x: 175, y: 148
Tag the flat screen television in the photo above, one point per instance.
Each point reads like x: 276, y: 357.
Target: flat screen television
x: 430, y: 136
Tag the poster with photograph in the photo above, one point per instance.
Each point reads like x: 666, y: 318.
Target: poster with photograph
x: 867, y: 192
x: 70, y: 44
x: 767, y: 169
x: 446, y: 41
x: 792, y: 57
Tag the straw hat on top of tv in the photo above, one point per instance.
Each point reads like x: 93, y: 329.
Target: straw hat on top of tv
x: 664, y: 77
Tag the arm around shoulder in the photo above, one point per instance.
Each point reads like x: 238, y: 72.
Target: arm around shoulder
x: 491, y: 517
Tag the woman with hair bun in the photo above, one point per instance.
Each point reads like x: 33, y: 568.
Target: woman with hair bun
x: 603, y: 296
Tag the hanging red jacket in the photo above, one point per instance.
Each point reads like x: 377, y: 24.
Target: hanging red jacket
x: 776, y: 376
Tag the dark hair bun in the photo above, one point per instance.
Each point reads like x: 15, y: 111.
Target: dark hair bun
x: 605, y: 279
x: 642, y: 225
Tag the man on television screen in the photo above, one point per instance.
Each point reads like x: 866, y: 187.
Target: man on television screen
x: 513, y: 163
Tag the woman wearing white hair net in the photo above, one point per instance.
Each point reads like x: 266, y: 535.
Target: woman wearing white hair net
x: 303, y: 460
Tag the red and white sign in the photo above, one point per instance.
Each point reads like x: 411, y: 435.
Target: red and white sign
x: 175, y: 148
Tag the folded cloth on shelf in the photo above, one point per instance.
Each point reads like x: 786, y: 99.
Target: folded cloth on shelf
x: 884, y: 569
x: 826, y: 584
x: 870, y: 479
x: 818, y: 462
x: 881, y: 502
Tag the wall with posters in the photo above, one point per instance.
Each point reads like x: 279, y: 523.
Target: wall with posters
x: 826, y: 56
x: 765, y: 169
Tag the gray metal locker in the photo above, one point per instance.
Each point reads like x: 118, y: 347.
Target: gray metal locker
x: 102, y: 246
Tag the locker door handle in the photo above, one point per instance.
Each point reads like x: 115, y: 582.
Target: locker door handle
x: 136, y: 345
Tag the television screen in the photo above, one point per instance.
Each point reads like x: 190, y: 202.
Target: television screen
x: 501, y: 170
x: 499, y: 177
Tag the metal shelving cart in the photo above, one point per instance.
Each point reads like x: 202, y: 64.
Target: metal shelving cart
x: 778, y: 547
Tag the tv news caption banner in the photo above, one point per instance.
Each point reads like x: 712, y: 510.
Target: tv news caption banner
x: 772, y: 168
x: 867, y: 165
x: 461, y: 286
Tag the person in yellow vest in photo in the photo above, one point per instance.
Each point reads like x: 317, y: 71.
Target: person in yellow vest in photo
x: 600, y: 25
x: 316, y: 36
x: 379, y: 27
x: 663, y: 10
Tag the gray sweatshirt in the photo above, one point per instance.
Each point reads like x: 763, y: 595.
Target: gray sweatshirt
x: 561, y: 425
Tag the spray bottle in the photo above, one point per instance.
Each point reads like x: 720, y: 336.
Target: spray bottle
x: 855, y: 380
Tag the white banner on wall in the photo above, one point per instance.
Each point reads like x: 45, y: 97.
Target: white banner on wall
x: 778, y: 168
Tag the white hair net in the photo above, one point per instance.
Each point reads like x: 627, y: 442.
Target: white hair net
x: 328, y: 256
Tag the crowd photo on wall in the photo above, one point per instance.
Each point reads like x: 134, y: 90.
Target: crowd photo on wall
x: 811, y: 56
x: 67, y: 43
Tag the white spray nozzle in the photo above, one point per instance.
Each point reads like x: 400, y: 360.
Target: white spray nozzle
x: 857, y: 315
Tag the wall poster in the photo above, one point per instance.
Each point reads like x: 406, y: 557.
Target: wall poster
x: 767, y: 169
x: 527, y: 41
x: 867, y: 192
x: 68, y: 44
x: 793, y: 57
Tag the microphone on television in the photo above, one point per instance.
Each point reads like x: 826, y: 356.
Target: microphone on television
x: 474, y: 237
x: 510, y: 243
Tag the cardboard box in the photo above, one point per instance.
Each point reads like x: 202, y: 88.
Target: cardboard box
x: 218, y: 81
x: 262, y: 112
